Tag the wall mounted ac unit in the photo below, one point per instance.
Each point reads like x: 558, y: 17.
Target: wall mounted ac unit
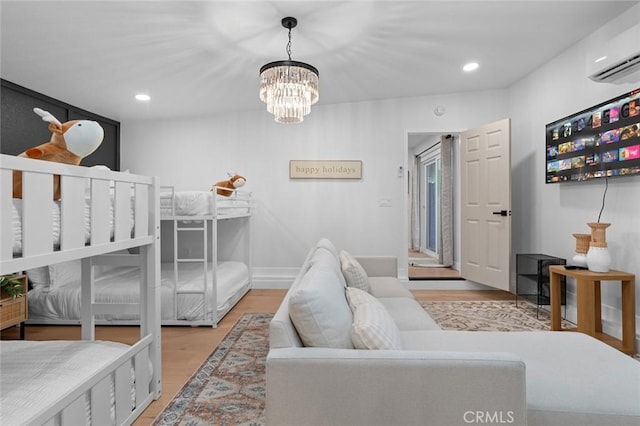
x: 616, y: 60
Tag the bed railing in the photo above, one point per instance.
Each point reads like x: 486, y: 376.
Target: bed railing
x: 126, y: 383
x: 117, y: 205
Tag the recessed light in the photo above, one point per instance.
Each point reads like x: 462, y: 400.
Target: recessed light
x: 471, y: 66
x: 143, y: 97
x: 600, y: 59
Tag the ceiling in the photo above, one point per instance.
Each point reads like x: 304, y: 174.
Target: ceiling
x: 203, y: 57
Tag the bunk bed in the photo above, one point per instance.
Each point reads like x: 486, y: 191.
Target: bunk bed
x: 210, y: 256
x: 85, y: 381
x: 202, y: 277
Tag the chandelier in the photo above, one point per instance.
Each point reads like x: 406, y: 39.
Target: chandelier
x: 289, y: 88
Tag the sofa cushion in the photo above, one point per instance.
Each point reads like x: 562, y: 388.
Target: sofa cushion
x: 571, y: 378
x: 373, y: 327
x: 388, y: 287
x: 319, y: 310
x: 408, y: 314
x: 353, y: 272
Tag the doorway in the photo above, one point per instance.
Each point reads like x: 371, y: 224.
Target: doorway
x: 480, y: 195
x: 430, y: 253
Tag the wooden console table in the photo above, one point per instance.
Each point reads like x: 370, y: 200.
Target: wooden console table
x: 589, y: 305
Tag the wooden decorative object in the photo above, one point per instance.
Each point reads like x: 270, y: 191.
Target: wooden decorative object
x: 598, y: 234
x: 582, y: 243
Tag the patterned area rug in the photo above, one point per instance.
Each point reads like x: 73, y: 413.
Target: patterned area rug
x: 229, y: 388
x: 498, y: 315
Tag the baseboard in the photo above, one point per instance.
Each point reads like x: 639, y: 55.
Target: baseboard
x: 282, y: 278
x: 273, y: 278
x: 460, y: 284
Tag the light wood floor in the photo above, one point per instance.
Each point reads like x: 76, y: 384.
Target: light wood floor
x: 424, y: 272
x: 184, y: 349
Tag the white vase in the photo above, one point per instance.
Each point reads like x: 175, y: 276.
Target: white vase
x: 580, y: 259
x: 598, y: 259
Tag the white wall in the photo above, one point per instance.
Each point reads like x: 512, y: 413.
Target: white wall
x: 293, y: 214
x: 545, y: 216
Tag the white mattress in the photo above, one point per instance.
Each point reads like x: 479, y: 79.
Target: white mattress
x: 120, y: 285
x: 201, y: 203
x: 16, y: 215
x: 35, y: 374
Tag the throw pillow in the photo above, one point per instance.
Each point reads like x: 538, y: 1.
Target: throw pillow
x: 319, y: 310
x: 65, y: 273
x: 39, y: 277
x: 353, y: 272
x: 327, y: 244
x: 373, y: 328
x: 357, y: 297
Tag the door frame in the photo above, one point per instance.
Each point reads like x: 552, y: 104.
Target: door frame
x: 405, y: 231
x: 403, y: 255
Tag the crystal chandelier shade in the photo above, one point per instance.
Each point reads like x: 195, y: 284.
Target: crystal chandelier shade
x: 289, y: 88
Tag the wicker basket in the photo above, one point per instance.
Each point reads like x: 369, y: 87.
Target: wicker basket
x: 13, y: 311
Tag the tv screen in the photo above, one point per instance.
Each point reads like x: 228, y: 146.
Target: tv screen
x: 601, y: 141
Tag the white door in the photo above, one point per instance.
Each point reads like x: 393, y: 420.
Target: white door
x: 485, y: 173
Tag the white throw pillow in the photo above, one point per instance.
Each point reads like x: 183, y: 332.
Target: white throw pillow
x: 353, y: 272
x: 357, y: 297
x: 65, y: 272
x: 327, y: 244
x: 39, y: 277
x: 319, y: 310
x: 373, y: 328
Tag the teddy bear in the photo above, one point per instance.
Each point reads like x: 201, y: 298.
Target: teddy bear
x: 70, y: 142
x: 234, y: 182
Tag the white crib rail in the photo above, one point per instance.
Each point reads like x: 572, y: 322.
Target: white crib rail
x: 37, y: 229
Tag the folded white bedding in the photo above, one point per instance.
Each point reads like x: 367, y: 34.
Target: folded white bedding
x: 120, y: 285
x: 35, y: 374
x: 187, y: 203
x: 201, y: 203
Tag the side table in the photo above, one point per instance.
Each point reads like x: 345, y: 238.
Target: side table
x: 589, y: 304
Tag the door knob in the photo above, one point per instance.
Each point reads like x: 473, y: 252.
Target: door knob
x: 503, y: 213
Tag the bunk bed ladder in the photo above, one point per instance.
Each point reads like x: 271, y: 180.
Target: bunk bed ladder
x: 179, y: 229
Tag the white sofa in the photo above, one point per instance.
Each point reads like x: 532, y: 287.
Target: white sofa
x: 433, y: 377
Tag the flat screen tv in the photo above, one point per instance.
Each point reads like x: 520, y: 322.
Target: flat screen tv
x: 602, y: 141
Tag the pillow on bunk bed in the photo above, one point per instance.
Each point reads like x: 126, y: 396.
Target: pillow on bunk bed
x: 39, y: 277
x: 193, y: 203
x: 48, y: 277
x: 65, y: 272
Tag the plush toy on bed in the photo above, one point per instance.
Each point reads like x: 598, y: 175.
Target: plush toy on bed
x: 234, y: 182
x: 70, y: 142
